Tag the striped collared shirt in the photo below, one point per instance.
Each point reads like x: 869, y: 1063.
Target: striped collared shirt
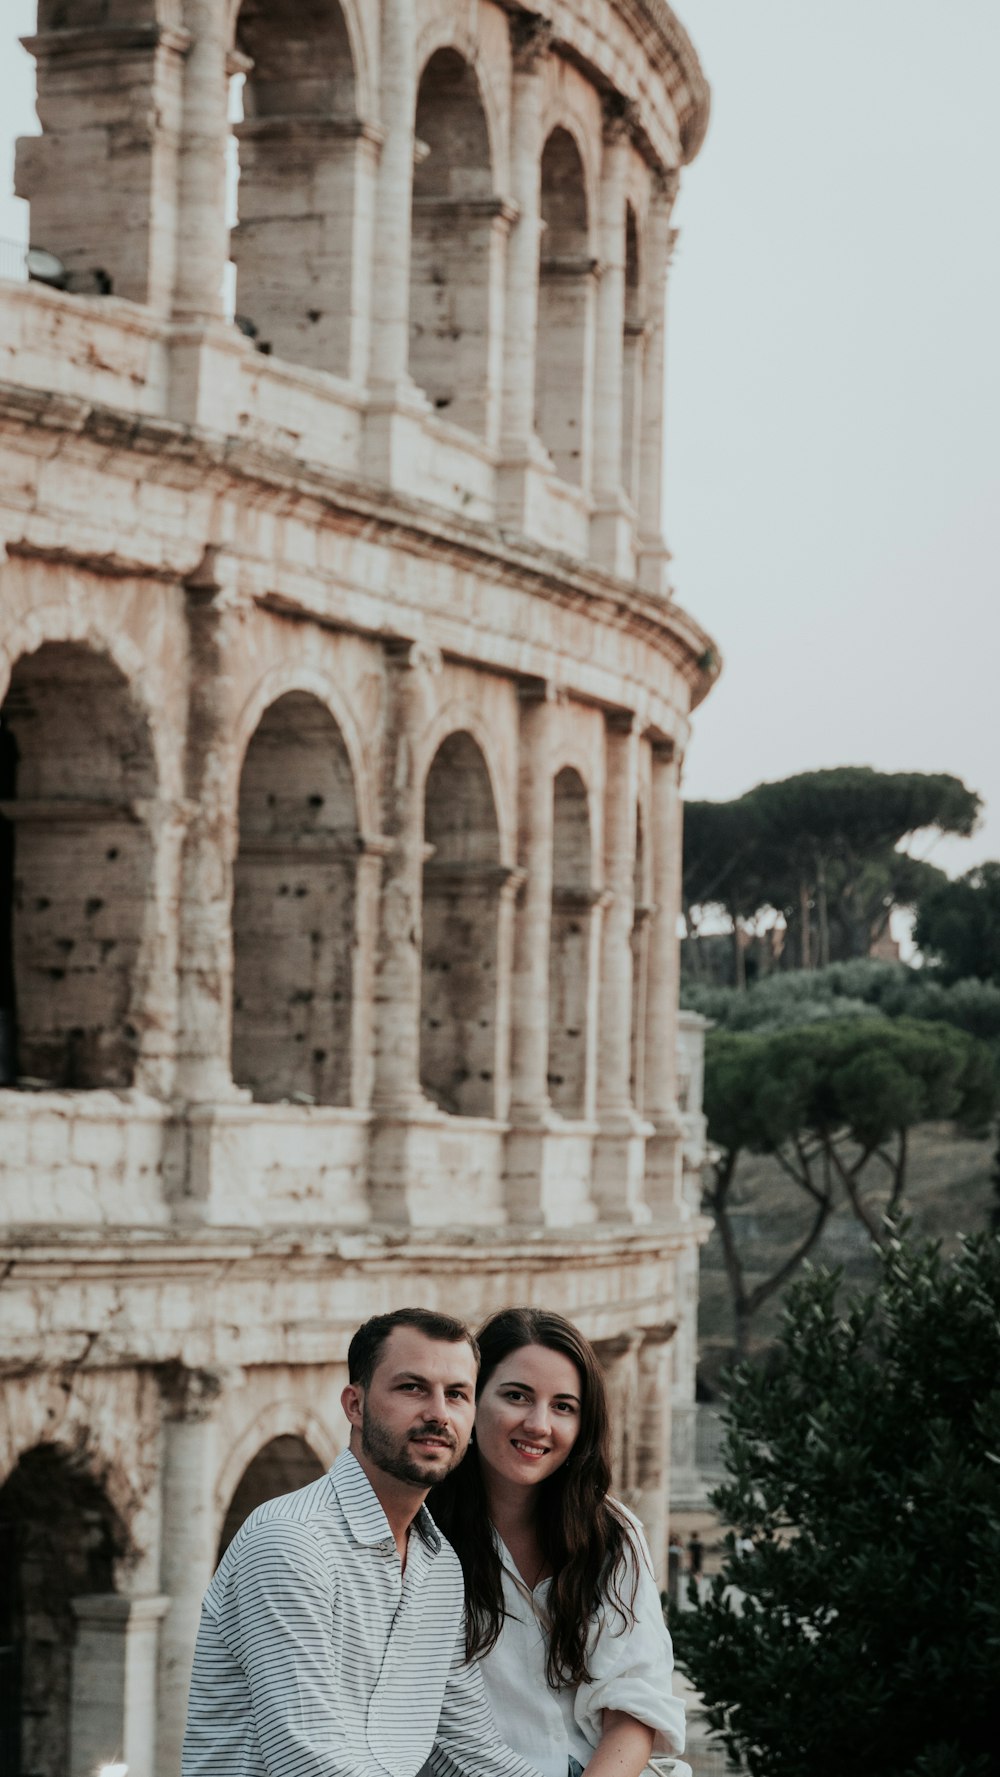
x: 318, y: 1657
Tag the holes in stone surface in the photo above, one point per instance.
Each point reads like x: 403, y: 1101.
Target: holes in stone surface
x: 293, y: 243
x: 81, y: 748
x: 461, y: 899
x: 451, y: 243
x: 565, y: 298
x: 292, y: 985
x: 569, y: 945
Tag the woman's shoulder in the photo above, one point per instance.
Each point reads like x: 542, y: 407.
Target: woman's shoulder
x: 635, y: 1548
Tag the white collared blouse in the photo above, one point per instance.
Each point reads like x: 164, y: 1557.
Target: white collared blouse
x: 631, y: 1670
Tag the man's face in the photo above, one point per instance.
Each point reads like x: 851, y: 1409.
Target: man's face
x: 416, y: 1414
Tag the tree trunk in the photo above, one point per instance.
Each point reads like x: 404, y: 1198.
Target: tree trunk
x: 822, y: 914
x: 805, y: 948
x: 739, y: 958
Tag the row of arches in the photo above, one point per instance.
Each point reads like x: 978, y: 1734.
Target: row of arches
x: 456, y: 201
x: 80, y: 924
x: 299, y: 152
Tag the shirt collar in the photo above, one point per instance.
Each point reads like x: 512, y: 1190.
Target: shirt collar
x: 359, y: 1502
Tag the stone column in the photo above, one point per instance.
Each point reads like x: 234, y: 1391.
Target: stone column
x: 653, y: 555
x: 521, y: 453
x: 386, y: 439
x: 618, y: 1149
x: 530, y: 1110
x: 189, y: 1536
x: 616, y: 1357
x: 202, y: 236
x: 663, y: 1151
x: 113, y: 1684
x: 373, y: 849
x: 653, y: 1464
x: 512, y: 884
x: 398, y: 1102
x: 155, y: 986
x: 206, y: 353
x: 611, y: 527
x: 206, y: 940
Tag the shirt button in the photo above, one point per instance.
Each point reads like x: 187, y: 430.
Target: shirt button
x: 386, y: 1547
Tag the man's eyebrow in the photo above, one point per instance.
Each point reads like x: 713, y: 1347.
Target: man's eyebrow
x: 416, y: 1376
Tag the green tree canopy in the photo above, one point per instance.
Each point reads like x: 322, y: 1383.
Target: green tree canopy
x: 959, y: 923
x: 821, y: 848
x: 834, y: 1103
x: 864, y: 1627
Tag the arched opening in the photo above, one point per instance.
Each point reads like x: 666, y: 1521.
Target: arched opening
x: 294, y: 908
x: 461, y: 899
x: 299, y: 148
x: 632, y: 356
x: 569, y: 945
x: 641, y: 911
x: 58, y: 1542
x: 453, y: 237
x: 282, y: 1466
x: 565, y: 305
x: 77, y: 767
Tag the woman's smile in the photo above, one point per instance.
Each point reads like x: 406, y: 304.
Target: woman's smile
x: 528, y: 1417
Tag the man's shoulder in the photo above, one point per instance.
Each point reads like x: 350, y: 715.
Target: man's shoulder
x: 287, y: 1522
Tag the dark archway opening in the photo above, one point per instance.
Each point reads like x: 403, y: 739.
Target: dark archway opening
x: 59, y: 1540
x: 77, y: 774
x: 294, y: 908
x: 282, y: 1466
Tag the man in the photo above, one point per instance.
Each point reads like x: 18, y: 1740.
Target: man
x: 331, y: 1640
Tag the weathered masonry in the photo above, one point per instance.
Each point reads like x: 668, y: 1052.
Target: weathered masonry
x: 343, y: 705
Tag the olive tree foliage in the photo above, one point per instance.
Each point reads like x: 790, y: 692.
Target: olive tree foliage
x: 862, y: 1632
x: 833, y: 1103
x: 821, y: 850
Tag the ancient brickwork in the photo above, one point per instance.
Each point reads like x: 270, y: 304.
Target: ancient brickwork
x: 343, y: 706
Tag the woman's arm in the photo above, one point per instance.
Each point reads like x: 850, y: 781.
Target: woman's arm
x: 624, y: 1747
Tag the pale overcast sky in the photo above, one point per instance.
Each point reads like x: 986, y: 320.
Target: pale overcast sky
x: 833, y: 491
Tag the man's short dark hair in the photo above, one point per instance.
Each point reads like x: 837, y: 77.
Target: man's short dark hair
x: 365, y: 1348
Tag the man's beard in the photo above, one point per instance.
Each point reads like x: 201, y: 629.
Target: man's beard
x: 400, y: 1457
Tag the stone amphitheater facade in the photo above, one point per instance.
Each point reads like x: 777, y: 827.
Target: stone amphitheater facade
x: 344, y: 704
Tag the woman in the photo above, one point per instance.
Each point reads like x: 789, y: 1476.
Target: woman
x: 563, y: 1610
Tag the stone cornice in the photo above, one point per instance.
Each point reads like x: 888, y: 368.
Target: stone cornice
x: 665, y: 42
x: 417, y: 526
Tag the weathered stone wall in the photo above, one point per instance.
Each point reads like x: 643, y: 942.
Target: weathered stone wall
x: 343, y: 706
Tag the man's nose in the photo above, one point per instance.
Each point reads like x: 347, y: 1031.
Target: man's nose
x: 436, y: 1406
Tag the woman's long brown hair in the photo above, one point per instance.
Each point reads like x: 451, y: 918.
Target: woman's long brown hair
x: 585, y: 1538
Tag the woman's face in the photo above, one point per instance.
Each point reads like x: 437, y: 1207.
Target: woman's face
x: 528, y: 1416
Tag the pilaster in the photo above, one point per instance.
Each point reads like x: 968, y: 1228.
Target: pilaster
x: 620, y: 1144
x: 664, y: 1149
x: 611, y: 524
x: 113, y: 1688
x: 653, y: 554
x: 205, y: 961
x: 522, y: 458
x: 189, y: 1536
